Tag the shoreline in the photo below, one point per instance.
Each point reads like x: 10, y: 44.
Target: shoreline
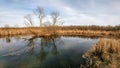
x: 48, y: 31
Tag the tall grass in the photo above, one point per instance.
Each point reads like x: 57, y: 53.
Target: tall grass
x: 60, y: 30
x: 104, y: 54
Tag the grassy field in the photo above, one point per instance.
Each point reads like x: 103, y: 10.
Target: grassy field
x: 65, y: 30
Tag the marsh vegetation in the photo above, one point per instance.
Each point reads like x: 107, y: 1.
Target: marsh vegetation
x: 104, y: 54
x: 99, y: 31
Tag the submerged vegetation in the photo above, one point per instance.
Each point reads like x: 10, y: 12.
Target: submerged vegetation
x: 104, y: 54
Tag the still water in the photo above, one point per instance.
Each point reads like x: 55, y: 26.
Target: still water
x: 43, y: 52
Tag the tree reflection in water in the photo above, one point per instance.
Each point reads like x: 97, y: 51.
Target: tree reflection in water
x: 31, y: 45
x: 8, y: 40
x: 45, y: 52
x: 47, y: 46
x: 48, y: 42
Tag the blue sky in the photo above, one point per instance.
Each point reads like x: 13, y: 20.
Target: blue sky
x: 73, y: 12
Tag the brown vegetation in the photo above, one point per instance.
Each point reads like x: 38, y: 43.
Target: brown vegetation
x: 62, y: 30
x: 104, y: 54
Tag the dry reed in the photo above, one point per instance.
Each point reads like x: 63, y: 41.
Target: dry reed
x: 104, y: 54
x: 41, y: 31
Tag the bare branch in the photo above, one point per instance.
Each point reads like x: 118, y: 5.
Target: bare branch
x: 28, y: 20
x: 47, y: 23
x: 40, y: 13
x: 56, y: 20
x: 54, y: 16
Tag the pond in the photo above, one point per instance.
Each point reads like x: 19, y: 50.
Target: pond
x: 43, y: 52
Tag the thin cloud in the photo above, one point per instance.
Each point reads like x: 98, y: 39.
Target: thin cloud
x: 79, y: 12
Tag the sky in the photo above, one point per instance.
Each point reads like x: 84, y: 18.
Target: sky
x: 72, y: 12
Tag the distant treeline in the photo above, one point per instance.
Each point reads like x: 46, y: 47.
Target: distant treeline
x: 91, y: 27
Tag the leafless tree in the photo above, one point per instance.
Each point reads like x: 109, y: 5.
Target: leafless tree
x: 52, y: 27
x: 56, y: 18
x: 28, y: 20
x: 40, y: 13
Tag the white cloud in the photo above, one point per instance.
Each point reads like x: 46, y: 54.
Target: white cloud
x: 75, y: 17
x: 116, y: 5
x: 80, y: 19
x: 71, y: 15
x: 84, y: 19
x: 12, y: 16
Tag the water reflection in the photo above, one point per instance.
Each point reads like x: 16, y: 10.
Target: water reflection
x: 44, y: 52
x: 46, y: 42
x: 8, y: 40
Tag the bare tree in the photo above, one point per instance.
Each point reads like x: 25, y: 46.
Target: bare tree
x: 56, y: 18
x: 28, y: 20
x: 52, y: 27
x: 40, y: 13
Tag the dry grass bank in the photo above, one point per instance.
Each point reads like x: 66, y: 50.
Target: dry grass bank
x: 104, y: 54
x: 46, y: 31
